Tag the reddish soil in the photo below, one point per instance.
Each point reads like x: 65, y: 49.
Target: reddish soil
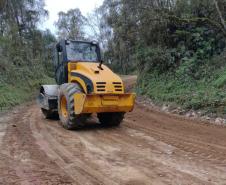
x: 150, y: 147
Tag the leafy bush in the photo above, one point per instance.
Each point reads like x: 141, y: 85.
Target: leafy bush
x: 206, y: 93
x: 155, y: 59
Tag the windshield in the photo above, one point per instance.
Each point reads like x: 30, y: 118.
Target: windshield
x: 80, y: 51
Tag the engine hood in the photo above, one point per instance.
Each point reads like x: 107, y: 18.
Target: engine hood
x: 103, y: 80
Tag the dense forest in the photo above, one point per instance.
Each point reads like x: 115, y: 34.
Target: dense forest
x: 23, y: 64
x: 176, y: 47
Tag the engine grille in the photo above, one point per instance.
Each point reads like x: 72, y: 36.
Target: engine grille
x: 101, y: 86
x: 118, y: 86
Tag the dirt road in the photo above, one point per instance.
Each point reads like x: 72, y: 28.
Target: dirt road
x: 150, y: 147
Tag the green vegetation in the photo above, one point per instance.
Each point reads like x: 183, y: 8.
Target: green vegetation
x: 24, y: 54
x: 11, y: 95
x: 178, y: 49
x: 201, y: 94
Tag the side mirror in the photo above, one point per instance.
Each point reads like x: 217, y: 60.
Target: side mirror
x: 59, y: 48
x: 67, y: 42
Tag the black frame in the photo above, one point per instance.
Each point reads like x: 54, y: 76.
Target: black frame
x: 62, y: 45
x: 60, y: 76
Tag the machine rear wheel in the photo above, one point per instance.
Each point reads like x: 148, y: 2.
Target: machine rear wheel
x: 67, y: 116
x: 111, y: 119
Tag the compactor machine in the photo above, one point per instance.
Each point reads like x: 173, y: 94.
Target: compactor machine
x: 84, y: 86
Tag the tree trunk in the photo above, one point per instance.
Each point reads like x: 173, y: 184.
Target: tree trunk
x: 220, y: 14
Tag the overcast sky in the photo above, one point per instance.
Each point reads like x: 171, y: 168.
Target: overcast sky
x: 55, y: 6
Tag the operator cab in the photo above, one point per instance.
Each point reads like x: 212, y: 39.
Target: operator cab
x: 73, y: 51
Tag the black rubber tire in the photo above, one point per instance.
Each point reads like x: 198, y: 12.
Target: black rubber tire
x: 111, y: 119
x: 50, y: 114
x: 72, y: 121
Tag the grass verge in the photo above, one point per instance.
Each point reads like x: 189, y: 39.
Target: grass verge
x: 207, y: 95
x: 17, y: 93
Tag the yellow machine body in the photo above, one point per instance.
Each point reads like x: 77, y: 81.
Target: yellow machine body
x: 103, y: 89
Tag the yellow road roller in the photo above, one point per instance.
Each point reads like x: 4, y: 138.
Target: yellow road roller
x: 84, y: 85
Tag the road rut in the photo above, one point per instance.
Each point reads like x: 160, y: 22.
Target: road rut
x: 150, y: 147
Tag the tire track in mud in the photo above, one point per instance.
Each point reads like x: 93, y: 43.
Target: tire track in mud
x: 77, y: 169
x: 204, y: 150
x: 128, y: 143
x: 185, y: 141
x: 24, y: 163
x: 99, y: 143
x: 179, y: 159
x: 8, y: 174
x: 101, y: 157
x: 149, y: 148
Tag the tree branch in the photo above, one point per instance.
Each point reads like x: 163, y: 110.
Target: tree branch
x: 220, y: 14
x: 202, y: 20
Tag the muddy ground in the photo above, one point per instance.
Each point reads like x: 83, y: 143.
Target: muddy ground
x: 150, y: 147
